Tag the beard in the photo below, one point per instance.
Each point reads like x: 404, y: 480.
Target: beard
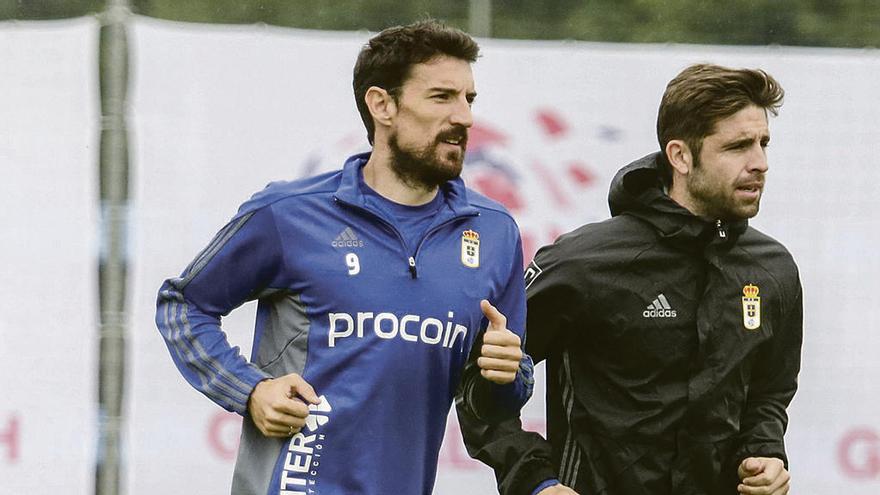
x: 428, y: 167
x: 717, y: 200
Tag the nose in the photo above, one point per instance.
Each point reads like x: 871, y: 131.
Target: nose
x: 461, y: 114
x: 758, y: 160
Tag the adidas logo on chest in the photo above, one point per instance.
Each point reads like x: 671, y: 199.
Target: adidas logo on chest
x: 659, y: 308
x: 347, y: 239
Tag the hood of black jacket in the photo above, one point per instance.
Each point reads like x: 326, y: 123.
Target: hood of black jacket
x: 638, y: 190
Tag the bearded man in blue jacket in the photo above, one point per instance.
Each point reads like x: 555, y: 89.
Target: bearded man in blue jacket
x: 385, y: 289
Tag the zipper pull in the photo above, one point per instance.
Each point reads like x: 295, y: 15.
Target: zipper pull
x: 412, y: 267
x: 721, y: 232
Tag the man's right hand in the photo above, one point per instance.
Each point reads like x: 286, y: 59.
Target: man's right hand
x: 559, y: 489
x: 763, y: 476
x: 278, y: 406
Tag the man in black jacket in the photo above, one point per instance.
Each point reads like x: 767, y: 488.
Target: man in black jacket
x: 672, y: 331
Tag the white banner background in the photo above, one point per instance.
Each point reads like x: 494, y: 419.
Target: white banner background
x: 48, y: 247
x: 218, y: 112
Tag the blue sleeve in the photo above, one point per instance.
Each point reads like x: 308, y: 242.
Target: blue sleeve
x: 240, y: 262
x: 487, y: 400
x: 512, y: 296
x: 512, y: 304
x: 545, y: 484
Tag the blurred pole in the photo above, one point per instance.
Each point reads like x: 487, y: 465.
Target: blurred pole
x: 480, y: 18
x: 113, y: 255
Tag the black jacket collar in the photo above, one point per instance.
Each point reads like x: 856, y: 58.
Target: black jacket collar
x: 638, y: 190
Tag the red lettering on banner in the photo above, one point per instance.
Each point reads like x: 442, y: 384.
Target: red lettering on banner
x: 224, y: 430
x: 859, y: 453
x: 10, y: 436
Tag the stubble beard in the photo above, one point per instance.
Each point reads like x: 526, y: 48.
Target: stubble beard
x: 718, y: 201
x: 424, y: 168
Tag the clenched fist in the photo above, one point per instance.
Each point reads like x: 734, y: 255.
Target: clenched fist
x: 763, y: 476
x: 279, y: 406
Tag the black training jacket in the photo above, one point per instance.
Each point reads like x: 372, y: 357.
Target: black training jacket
x: 673, y: 348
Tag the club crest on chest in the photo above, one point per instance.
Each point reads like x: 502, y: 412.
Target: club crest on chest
x: 470, y: 249
x: 751, y: 307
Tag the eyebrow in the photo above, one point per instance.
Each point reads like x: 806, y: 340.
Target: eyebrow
x: 740, y: 142
x: 452, y: 91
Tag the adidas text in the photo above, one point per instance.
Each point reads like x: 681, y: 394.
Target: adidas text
x: 659, y: 313
x: 349, y: 244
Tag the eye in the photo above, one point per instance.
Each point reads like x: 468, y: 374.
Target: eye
x: 440, y: 97
x: 740, y: 145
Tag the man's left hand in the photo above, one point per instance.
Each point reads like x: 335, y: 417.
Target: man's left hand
x: 763, y: 476
x: 501, y: 353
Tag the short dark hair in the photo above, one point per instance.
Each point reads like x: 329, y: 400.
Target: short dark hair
x: 385, y: 61
x: 703, y: 94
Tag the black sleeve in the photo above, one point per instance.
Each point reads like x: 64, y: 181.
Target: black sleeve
x: 773, y: 385
x: 521, y: 459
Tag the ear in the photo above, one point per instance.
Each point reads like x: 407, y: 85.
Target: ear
x: 381, y: 104
x: 679, y: 156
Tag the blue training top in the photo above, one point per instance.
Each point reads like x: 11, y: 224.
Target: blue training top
x: 381, y: 331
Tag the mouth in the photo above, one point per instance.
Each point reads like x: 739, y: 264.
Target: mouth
x: 750, y: 189
x: 457, y: 138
